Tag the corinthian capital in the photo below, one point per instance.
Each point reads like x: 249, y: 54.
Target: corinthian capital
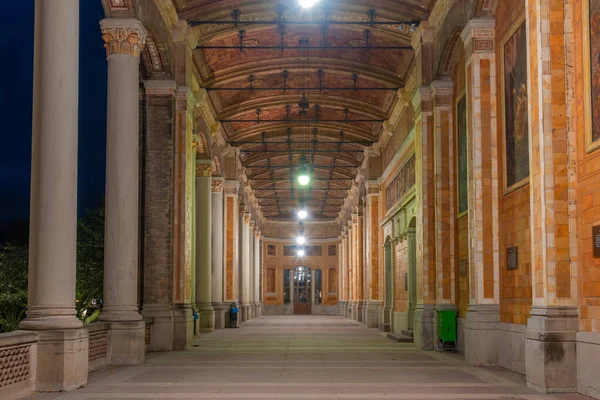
x: 123, y: 36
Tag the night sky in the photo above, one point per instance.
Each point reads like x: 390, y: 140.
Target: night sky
x: 16, y: 90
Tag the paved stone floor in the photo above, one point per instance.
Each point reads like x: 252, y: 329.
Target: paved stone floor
x: 303, y: 357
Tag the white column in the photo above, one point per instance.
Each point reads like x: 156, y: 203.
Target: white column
x: 251, y: 274
x: 124, y: 41
x: 62, y: 347
x: 245, y: 268
x: 206, y: 312
x: 257, y: 274
x: 218, y: 252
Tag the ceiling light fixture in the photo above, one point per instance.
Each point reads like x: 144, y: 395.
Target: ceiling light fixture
x: 300, y: 252
x: 301, y: 240
x: 307, y: 3
x: 302, y: 213
x: 303, y: 176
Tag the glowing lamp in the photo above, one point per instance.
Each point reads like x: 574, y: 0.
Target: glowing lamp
x: 302, y: 214
x: 307, y: 3
x: 301, y: 253
x: 301, y: 240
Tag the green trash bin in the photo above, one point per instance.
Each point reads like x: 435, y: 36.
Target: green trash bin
x: 446, y: 323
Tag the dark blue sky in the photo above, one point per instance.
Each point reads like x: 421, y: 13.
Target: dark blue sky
x: 16, y: 80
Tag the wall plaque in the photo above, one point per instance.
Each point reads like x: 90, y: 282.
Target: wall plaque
x: 463, y: 267
x: 512, y: 258
x: 596, y: 240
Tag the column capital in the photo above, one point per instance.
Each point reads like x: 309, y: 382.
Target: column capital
x: 479, y: 36
x: 203, y: 168
x: 160, y: 87
x: 441, y: 92
x: 246, y: 218
x: 421, y: 100
x: 123, y: 36
x: 372, y: 187
x: 231, y: 187
x: 218, y: 185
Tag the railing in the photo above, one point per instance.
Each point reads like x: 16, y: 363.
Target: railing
x: 18, y: 351
x: 99, y: 345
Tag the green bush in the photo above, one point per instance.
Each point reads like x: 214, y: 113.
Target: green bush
x: 90, y: 273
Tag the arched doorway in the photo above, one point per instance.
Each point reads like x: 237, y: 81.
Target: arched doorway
x: 388, y: 306
x: 302, y: 293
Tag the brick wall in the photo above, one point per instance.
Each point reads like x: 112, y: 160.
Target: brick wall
x: 157, y: 156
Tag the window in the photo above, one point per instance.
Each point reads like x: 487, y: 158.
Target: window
x: 332, y: 250
x: 286, y: 286
x: 318, y: 287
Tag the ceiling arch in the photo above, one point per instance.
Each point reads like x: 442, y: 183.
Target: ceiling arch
x: 352, y: 67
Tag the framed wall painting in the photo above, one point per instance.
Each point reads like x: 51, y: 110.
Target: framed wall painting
x: 514, y: 107
x: 591, y: 46
x: 462, y: 165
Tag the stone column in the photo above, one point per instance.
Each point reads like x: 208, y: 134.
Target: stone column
x: 423, y: 42
x: 350, y: 269
x: 424, y: 311
x: 231, y: 237
x: 551, y: 350
x: 206, y: 312
x: 341, y: 273
x: 62, y: 349
x: 217, y: 258
x: 360, y: 264
x: 372, y: 250
x: 251, y: 272
x: 124, y: 40
x: 244, y: 266
x: 412, y: 278
x: 257, y: 274
x: 444, y: 200
x: 482, y: 316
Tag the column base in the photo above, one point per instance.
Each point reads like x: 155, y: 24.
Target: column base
x: 244, y: 312
x: 206, y: 318
x: 183, y: 326
x: 341, y: 309
x: 423, y: 326
x: 480, y: 334
x: 371, y: 314
x: 588, y: 363
x: 551, y: 349
x: 360, y: 310
x: 62, y: 360
x: 162, y: 326
x: 385, y: 319
x: 220, y: 314
x: 128, y: 343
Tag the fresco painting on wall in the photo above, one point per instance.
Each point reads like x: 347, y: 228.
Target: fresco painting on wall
x: 402, y: 183
x: 595, y: 67
x: 515, y: 107
x: 461, y: 127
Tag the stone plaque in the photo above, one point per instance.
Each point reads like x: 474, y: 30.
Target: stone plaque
x: 463, y: 267
x: 596, y: 240
x: 512, y: 258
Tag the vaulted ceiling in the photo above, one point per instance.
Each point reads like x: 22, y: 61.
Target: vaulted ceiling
x: 258, y: 57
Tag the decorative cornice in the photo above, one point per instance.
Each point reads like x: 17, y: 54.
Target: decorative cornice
x: 372, y: 188
x: 442, y: 93
x: 231, y: 188
x: 123, y: 36
x: 160, y: 87
x: 421, y: 100
x: 479, y: 36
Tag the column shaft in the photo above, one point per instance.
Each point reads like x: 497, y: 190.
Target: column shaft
x: 206, y: 314
x: 257, y: 274
x: 217, y: 253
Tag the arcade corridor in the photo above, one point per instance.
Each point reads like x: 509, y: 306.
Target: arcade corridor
x: 303, y: 357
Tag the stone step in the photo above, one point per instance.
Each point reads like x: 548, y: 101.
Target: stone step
x: 399, y: 337
x: 384, y: 327
x: 408, y: 333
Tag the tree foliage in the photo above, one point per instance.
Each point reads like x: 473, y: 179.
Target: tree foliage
x: 90, y: 273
